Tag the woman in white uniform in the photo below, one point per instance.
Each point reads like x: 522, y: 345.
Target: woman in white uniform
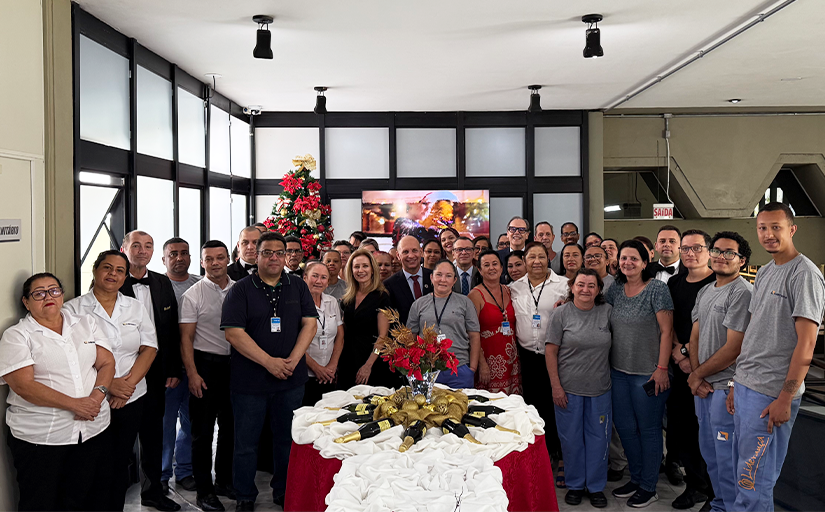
x: 131, y: 333
x: 325, y: 350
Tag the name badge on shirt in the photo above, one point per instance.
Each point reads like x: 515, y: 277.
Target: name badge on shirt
x: 505, y: 328
x: 323, y: 341
x: 275, y: 324
x: 441, y: 337
x: 536, y: 321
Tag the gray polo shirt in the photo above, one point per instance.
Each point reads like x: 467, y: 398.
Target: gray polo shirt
x: 180, y: 287
x: 459, y: 319
x: 719, y: 309
x: 780, y: 294
x: 584, y: 339
x: 337, y: 290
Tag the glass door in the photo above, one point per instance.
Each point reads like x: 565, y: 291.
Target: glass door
x: 102, y: 219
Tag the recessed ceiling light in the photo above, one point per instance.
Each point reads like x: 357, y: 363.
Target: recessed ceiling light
x: 612, y: 208
x: 734, y: 100
x: 791, y: 79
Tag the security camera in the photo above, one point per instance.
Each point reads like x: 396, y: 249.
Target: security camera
x: 252, y: 110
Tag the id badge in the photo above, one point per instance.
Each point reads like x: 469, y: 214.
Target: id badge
x: 275, y: 324
x: 505, y: 328
x: 536, y: 321
x: 324, y: 340
x: 441, y: 337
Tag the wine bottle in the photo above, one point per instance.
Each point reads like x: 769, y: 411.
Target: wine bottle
x: 353, y: 407
x: 355, y: 417
x: 367, y: 430
x: 485, y: 422
x: 449, y: 426
x: 372, y: 399
x: 481, y: 399
x: 414, y: 433
x: 481, y: 411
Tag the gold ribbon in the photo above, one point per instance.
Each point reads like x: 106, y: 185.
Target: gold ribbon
x: 306, y: 161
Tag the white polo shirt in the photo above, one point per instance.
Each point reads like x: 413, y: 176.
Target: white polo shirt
x: 329, y: 318
x: 128, y: 329
x: 524, y: 302
x: 202, y: 305
x: 63, y: 362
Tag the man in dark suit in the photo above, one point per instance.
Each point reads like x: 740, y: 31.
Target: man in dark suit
x: 155, y: 292
x: 412, y: 281
x: 463, y: 251
x: 518, y: 233
x: 294, y: 256
x: 243, y: 266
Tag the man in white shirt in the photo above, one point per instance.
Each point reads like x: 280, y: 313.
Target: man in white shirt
x: 412, y: 282
x: 205, y: 354
x: 668, y: 241
x: 247, y: 255
x: 463, y: 250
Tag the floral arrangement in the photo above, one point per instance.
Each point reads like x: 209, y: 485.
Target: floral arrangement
x: 299, y: 211
x: 415, y: 355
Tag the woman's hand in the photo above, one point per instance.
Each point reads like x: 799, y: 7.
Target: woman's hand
x: 121, y: 387
x: 363, y: 374
x: 483, y: 372
x: 324, y: 374
x: 662, y: 380
x: 86, y: 409
x: 117, y: 403
x: 559, y: 397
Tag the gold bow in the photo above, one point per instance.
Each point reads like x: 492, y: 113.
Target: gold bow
x: 304, y: 161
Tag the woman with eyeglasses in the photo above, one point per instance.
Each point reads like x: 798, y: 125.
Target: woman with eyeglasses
x: 498, y: 366
x: 572, y: 260
x: 433, y: 253
x: 131, y: 332
x: 59, y: 367
x: 364, y: 325
x: 448, y: 236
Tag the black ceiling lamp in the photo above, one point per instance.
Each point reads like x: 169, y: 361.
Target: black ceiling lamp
x: 320, y: 101
x: 263, y: 42
x: 535, y: 99
x: 592, y: 38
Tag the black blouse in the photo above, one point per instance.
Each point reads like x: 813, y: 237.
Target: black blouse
x: 360, y: 333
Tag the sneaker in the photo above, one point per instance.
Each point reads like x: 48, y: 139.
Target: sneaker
x: 688, y: 499
x: 574, y: 496
x: 187, y: 483
x: 614, y: 475
x: 642, y: 498
x: 598, y: 500
x: 626, y: 491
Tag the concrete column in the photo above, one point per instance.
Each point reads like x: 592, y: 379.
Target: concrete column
x: 595, y: 147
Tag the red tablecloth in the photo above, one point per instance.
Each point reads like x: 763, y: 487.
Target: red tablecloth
x: 528, y: 479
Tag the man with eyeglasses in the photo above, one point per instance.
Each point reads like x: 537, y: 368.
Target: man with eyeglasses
x: 503, y: 242
x: 720, y: 318
x: 668, y: 240
x: 412, y: 282
x: 294, y: 256
x: 545, y: 236
x: 569, y: 233
x: 596, y: 258
x: 463, y: 251
x: 518, y: 233
x: 270, y: 320
x: 682, y: 425
x: 245, y: 264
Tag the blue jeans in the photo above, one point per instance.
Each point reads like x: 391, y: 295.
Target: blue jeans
x: 716, y: 444
x: 638, y: 420
x: 759, y: 455
x: 178, y: 447
x: 465, y: 379
x: 585, y: 427
x: 250, y: 413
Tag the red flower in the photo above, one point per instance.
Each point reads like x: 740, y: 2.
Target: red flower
x: 291, y: 183
x: 417, y: 374
x: 314, y: 186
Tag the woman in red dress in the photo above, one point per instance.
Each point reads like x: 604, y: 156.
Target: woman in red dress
x: 498, y: 368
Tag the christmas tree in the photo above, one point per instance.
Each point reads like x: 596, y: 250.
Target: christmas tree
x: 299, y: 212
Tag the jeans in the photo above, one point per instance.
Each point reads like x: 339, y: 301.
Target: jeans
x: 250, y: 411
x: 585, y: 427
x: 716, y: 443
x: 463, y: 380
x: 638, y: 419
x: 177, y: 446
x: 759, y: 455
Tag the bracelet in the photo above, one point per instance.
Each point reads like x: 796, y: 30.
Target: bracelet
x: 376, y: 351
x: 661, y: 367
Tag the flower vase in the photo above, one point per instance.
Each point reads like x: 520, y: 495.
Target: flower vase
x: 424, y: 385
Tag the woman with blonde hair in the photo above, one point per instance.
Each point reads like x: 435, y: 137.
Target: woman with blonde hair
x: 364, y: 325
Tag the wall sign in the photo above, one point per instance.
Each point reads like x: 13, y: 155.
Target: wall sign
x: 10, y: 230
x: 662, y: 211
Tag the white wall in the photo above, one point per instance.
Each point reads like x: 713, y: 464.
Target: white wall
x: 21, y: 175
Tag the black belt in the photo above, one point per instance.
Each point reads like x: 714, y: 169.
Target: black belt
x: 208, y: 356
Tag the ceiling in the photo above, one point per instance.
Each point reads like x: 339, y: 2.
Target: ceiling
x: 428, y: 55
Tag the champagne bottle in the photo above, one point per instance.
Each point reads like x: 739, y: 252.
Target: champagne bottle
x: 355, y: 417
x: 367, y: 430
x: 481, y: 411
x: 481, y: 399
x: 353, y: 407
x: 485, y: 422
x: 372, y: 399
x: 449, y: 426
x: 414, y: 433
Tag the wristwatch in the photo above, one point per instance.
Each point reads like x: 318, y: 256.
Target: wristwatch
x: 684, y: 351
x: 102, y: 389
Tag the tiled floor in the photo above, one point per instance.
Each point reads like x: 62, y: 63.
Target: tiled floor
x: 667, y: 493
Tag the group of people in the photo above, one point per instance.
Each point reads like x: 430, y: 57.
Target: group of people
x: 594, y: 336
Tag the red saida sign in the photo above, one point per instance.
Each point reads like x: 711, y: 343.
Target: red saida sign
x: 663, y: 211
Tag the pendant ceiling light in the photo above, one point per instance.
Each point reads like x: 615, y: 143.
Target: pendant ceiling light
x: 320, y: 101
x: 535, y: 99
x: 592, y: 38
x: 263, y: 42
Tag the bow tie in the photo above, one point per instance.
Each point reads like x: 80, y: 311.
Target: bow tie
x: 143, y: 280
x: 669, y: 270
x: 246, y: 266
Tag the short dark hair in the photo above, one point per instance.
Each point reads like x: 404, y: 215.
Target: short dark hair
x: 480, y: 238
x: 776, y: 206
x: 518, y: 253
x: 358, y: 235
x: 291, y: 239
x: 260, y: 225
x: 432, y: 241
x: 700, y: 233
x: 570, y: 224
x: 215, y: 244
x: 462, y: 237
x: 329, y: 251
x: 645, y: 240
x: 669, y: 227
x: 596, y: 247
x: 744, y: 246
x: 647, y: 273
x: 577, y: 246
x: 586, y: 272
x: 372, y: 242
x: 518, y: 217
x: 536, y: 244
x: 543, y: 223
x: 488, y: 252
x: 499, y: 237
x: 112, y: 252
x: 612, y: 240
x: 445, y: 260
x: 593, y: 233
x: 339, y: 243
x: 174, y: 240
x: 451, y: 230
x: 271, y: 236
x: 27, y: 286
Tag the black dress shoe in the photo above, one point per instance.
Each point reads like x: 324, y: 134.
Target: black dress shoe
x: 279, y: 500
x: 614, y: 475
x: 688, y: 499
x: 187, y: 483
x: 164, y: 486
x: 161, y: 503
x: 225, y: 490
x: 598, y: 499
x: 209, y: 503
x: 245, y: 506
x: 706, y: 507
x: 574, y: 496
x: 674, y: 474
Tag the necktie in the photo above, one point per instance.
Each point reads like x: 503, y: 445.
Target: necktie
x: 247, y: 266
x: 465, y: 283
x: 669, y: 270
x: 416, y: 287
x: 143, y: 280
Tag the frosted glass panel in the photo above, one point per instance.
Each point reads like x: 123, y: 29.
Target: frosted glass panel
x: 104, y: 95
x: 220, y: 216
x: 495, y: 151
x: 357, y: 153
x: 241, y: 148
x: 95, y: 203
x: 346, y: 217
x: 276, y: 147
x: 156, y: 214
x: 502, y: 209
x: 558, y: 209
x: 425, y: 152
x: 154, y: 114
x: 219, y: 141
x: 189, y: 212
x: 557, y: 151
x: 263, y: 207
x: 239, y: 217
x: 191, y: 129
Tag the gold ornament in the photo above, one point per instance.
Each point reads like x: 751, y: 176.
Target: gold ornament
x: 306, y: 161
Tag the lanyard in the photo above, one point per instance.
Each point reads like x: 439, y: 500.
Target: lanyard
x: 536, y: 299
x: 273, y: 300
x: 437, y: 316
x: 500, y: 308
x: 323, y: 322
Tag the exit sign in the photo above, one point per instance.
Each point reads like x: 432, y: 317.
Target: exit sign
x: 663, y: 211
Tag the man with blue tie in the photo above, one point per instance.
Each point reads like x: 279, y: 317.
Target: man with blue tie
x: 463, y: 250
x: 412, y: 281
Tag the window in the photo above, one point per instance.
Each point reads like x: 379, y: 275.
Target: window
x: 240, y: 219
x: 357, y: 153
x: 154, y: 114
x: 156, y: 214
x: 189, y: 221
x: 263, y: 207
x: 558, y: 209
x: 632, y: 194
x: 495, y: 152
x: 241, y: 148
x: 502, y: 209
x: 786, y: 188
x: 101, y: 219
x: 426, y: 152
x: 191, y: 129
x: 220, y: 216
x: 104, y: 95
x: 219, y: 141
x: 276, y: 147
x: 346, y: 217
x: 557, y: 151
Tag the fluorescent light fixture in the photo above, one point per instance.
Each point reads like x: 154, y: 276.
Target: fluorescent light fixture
x: 612, y: 208
x: 734, y: 100
x: 94, y: 178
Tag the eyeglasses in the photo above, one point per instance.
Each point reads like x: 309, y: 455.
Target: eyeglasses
x: 462, y: 249
x: 267, y: 253
x: 569, y: 233
x: 294, y: 251
x: 503, y: 245
x: 513, y: 229
x: 591, y: 257
x: 41, y: 294
x: 728, y: 255
x: 695, y: 248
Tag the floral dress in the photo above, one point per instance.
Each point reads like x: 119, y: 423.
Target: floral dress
x: 500, y: 350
